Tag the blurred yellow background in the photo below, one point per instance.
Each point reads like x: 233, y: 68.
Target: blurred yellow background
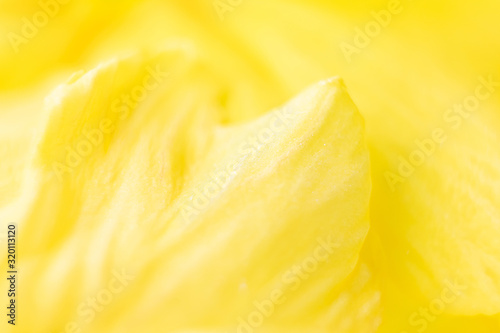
x: 407, y: 65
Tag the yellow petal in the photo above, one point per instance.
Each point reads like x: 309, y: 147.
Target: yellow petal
x: 215, y: 221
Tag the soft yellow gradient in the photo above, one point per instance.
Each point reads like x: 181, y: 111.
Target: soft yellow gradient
x: 127, y: 204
